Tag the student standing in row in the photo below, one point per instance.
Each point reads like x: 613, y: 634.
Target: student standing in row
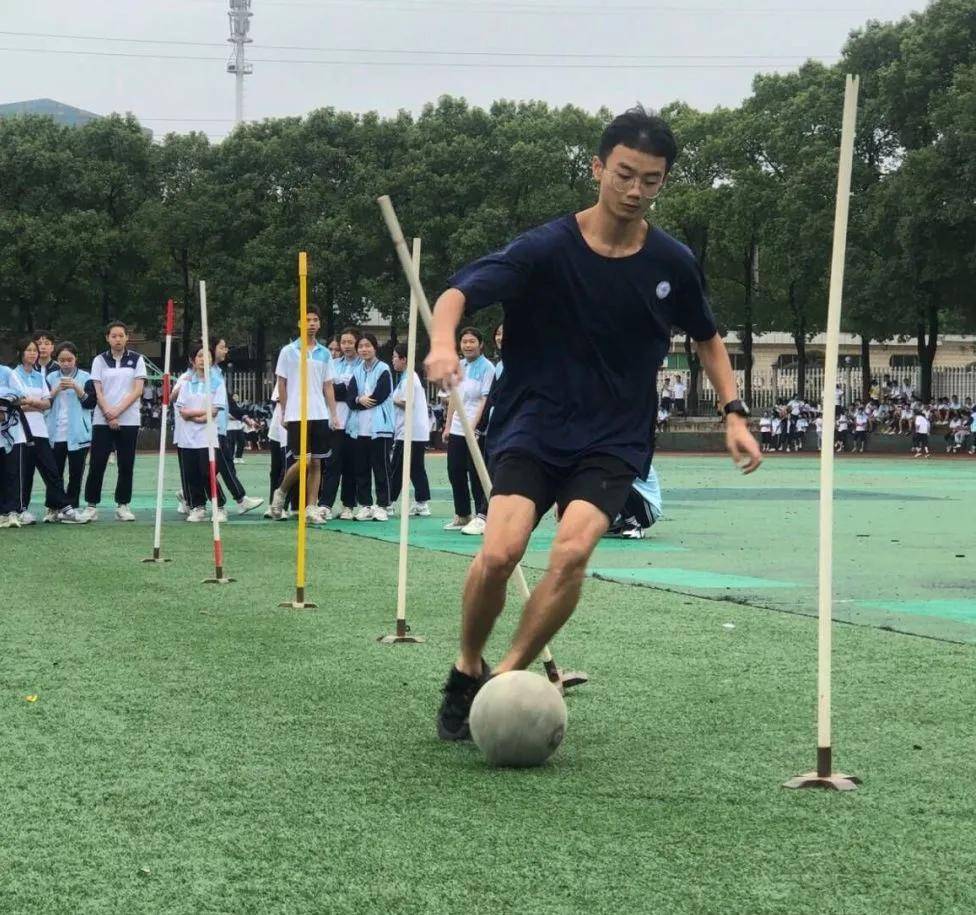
x: 225, y: 450
x: 69, y: 422
x: 278, y: 445
x: 368, y: 395
x: 321, y: 407
x: 476, y: 376
x: 191, y: 404
x: 419, y: 436
x: 119, y: 375
x: 37, y: 454
x: 340, y: 468
x: 766, y: 432
x: 13, y: 442
x: 922, y: 428
x: 45, y: 351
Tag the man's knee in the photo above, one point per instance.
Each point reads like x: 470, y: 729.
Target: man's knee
x: 569, y: 558
x: 498, y: 561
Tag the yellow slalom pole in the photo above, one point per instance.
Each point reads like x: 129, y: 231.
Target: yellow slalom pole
x: 300, y: 603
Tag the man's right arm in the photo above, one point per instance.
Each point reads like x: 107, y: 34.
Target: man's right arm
x: 442, y: 363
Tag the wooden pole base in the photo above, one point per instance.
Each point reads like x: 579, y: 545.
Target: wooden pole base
x: 299, y: 603
x: 571, y: 678
x: 834, y: 782
x: 564, y: 679
x: 401, y: 639
x: 402, y: 635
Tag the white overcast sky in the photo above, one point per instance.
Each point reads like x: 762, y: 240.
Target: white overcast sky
x: 704, y: 52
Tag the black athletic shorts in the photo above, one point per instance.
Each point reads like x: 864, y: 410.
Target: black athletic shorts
x: 318, y: 437
x: 600, y: 479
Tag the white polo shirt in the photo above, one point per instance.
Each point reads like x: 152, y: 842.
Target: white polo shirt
x: 12, y: 429
x: 35, y: 385
x: 342, y: 369
x: 319, y: 362
x: 193, y: 396
x: 178, y: 422
x: 117, y: 377
x: 420, y: 420
x: 922, y: 424
x: 476, y: 379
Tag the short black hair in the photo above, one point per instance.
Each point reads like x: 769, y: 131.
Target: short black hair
x: 65, y: 345
x: 642, y: 130
x: 45, y: 334
x: 113, y: 324
x: 355, y: 331
x: 477, y: 334
x: 401, y: 350
x: 372, y: 339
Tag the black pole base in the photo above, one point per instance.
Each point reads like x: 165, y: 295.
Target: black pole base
x: 824, y: 775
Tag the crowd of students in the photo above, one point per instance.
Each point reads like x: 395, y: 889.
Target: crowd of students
x: 54, y: 415
x: 57, y: 417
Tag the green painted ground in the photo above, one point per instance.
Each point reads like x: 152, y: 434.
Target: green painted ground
x: 195, y: 749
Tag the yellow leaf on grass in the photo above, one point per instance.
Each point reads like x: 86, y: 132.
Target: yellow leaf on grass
x: 31, y: 698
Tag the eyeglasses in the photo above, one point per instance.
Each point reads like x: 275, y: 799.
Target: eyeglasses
x: 648, y: 187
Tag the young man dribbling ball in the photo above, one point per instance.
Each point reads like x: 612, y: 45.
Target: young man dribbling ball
x: 607, y: 286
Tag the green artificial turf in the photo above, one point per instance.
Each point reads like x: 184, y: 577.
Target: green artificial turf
x: 193, y: 748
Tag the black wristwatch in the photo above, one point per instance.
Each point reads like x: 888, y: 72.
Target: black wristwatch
x: 738, y: 407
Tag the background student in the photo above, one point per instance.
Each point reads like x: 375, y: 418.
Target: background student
x: 37, y: 454
x: 69, y: 421
x: 119, y: 375
x: 477, y: 375
x: 371, y: 429
x: 419, y: 436
x: 191, y: 404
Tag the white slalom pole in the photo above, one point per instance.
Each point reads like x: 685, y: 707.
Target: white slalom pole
x: 401, y: 634
x: 219, y: 577
x: 157, y: 533
x: 824, y: 775
x: 423, y: 306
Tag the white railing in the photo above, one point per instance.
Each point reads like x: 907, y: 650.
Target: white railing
x: 770, y: 386
x: 251, y: 386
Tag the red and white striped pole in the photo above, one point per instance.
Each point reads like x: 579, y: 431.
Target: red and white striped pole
x: 219, y: 577
x: 157, y: 533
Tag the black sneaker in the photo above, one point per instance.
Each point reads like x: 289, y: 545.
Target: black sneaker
x: 459, y: 692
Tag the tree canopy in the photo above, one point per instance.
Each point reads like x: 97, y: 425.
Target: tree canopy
x: 98, y: 222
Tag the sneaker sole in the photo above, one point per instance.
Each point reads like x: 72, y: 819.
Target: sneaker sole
x: 463, y: 733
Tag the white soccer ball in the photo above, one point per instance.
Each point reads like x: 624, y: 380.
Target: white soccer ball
x: 518, y: 719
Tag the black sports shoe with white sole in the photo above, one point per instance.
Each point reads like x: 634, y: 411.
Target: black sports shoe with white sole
x: 459, y: 692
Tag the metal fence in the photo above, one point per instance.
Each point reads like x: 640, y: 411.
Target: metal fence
x: 251, y: 386
x: 768, y: 387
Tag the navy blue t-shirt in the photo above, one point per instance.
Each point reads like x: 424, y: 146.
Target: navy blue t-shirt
x: 584, y: 337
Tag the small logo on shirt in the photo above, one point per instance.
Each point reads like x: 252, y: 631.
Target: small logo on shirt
x: 663, y: 289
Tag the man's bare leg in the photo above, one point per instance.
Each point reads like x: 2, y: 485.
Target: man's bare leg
x: 509, y: 525
x: 553, y: 600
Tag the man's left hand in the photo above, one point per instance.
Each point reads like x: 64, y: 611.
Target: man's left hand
x: 742, y: 443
